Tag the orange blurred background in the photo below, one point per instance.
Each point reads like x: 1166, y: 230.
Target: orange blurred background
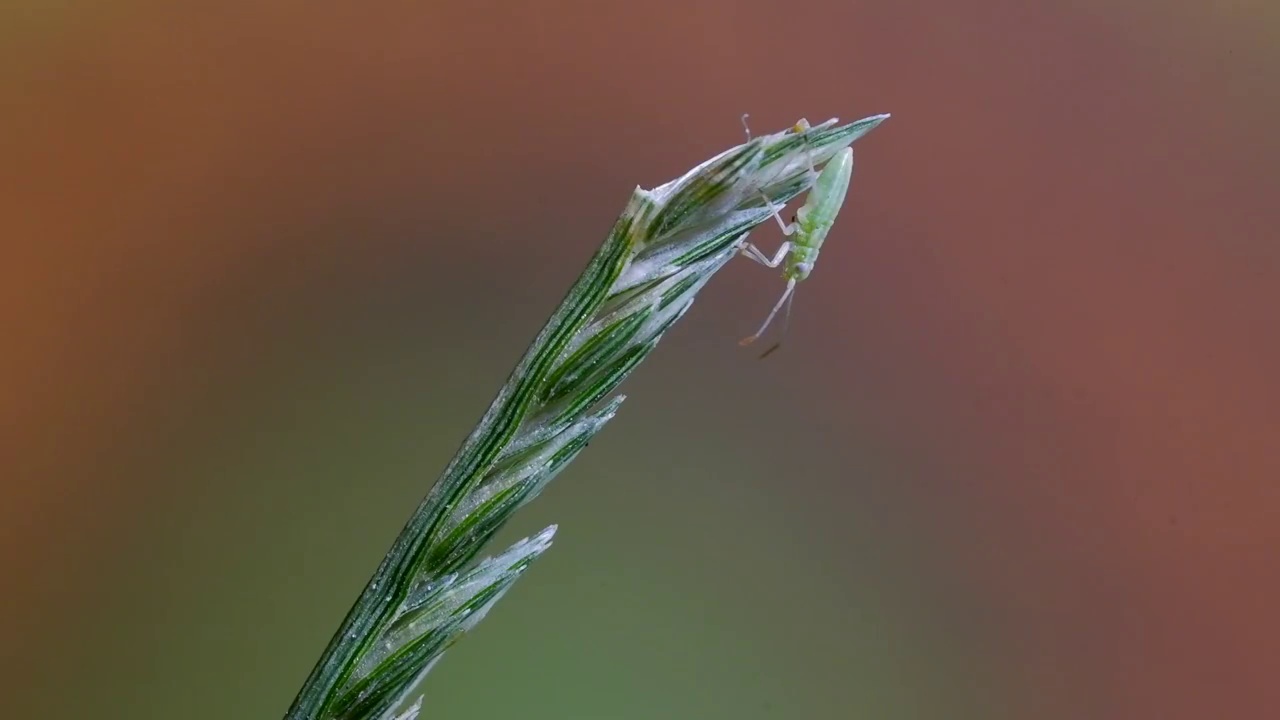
x: 265, y: 264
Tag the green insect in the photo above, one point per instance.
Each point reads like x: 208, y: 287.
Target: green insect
x: 808, y: 229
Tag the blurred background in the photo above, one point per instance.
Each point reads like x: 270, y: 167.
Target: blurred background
x: 266, y: 263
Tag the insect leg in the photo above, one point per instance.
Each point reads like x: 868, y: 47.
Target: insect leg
x: 786, y: 229
x: 744, y: 126
x: 802, y: 127
x: 786, y: 323
x: 791, y: 287
x: 754, y: 253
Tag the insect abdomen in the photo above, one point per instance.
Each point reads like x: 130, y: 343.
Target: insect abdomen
x: 804, y: 254
x: 827, y: 195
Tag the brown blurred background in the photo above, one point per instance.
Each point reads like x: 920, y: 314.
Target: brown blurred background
x: 264, y: 264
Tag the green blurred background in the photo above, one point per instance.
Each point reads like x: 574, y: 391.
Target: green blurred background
x: 266, y: 263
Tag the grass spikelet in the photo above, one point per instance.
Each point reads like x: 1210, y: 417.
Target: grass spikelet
x: 662, y: 250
